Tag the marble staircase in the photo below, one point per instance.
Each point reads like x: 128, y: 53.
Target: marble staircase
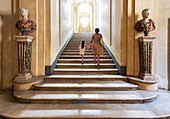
x: 74, y: 82
x: 88, y: 90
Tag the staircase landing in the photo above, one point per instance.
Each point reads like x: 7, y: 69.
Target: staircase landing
x: 12, y: 109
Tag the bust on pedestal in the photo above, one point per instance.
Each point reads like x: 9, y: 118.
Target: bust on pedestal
x: 145, y: 25
x: 25, y: 80
x: 25, y: 26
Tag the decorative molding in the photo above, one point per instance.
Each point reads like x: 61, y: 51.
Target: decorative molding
x: 122, y: 69
x: 49, y: 69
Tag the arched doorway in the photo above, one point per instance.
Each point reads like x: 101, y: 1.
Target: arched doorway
x: 83, y: 16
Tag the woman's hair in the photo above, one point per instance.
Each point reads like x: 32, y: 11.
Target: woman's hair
x: 97, y: 30
x: 82, y: 44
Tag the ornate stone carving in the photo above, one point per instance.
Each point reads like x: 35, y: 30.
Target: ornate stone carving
x: 25, y: 25
x: 146, y: 25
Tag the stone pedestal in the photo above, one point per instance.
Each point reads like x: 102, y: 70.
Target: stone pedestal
x: 24, y: 57
x: 145, y: 54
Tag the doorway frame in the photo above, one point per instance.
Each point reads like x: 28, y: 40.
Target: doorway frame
x: 75, y: 14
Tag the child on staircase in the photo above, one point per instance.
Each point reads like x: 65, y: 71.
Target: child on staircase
x: 82, y: 48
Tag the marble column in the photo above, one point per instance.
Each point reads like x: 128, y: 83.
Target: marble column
x: 145, y: 55
x: 24, y: 57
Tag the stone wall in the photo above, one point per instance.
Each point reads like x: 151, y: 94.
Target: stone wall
x: 37, y: 14
x: 54, y: 18
x: 0, y: 52
x: 5, y: 6
x: 51, y: 34
x: 9, y: 13
x: 135, y: 8
x: 104, y: 19
x: 66, y: 19
x: 169, y: 53
x: 116, y: 39
x: 162, y: 42
x: 111, y: 25
x: 55, y: 29
x: 160, y: 14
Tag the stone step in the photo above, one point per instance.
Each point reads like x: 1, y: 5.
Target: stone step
x: 85, y: 57
x: 81, y: 111
x: 85, y: 66
x: 61, y: 78
x: 84, y: 71
x: 78, y: 41
x: 75, y: 48
x: 11, y: 109
x: 85, y: 61
x: 32, y: 96
x: 77, y: 53
x: 87, y: 86
x: 77, y: 45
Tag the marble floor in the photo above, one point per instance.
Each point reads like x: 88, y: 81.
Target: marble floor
x: 160, y: 108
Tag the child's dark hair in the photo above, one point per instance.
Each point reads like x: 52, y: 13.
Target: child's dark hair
x: 82, y: 44
x: 97, y: 30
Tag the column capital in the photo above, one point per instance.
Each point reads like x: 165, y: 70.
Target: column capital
x: 24, y: 38
x: 147, y: 38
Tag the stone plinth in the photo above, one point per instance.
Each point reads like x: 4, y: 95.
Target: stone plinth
x: 147, y: 84
x: 24, y: 57
x: 145, y: 54
x: 19, y: 85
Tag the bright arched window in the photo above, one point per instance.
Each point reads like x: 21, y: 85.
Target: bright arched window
x: 84, y: 21
x: 84, y: 17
